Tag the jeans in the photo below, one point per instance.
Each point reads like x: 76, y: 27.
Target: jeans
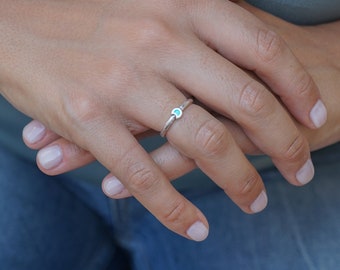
x: 62, y: 223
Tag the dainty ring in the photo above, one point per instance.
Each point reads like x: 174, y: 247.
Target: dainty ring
x: 176, y: 113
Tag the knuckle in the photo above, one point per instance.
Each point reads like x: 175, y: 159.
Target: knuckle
x: 80, y: 109
x: 175, y: 213
x: 269, y: 45
x: 212, y: 138
x: 141, y: 179
x: 295, y: 150
x: 303, y: 85
x: 246, y: 187
x: 153, y: 33
x: 253, y: 100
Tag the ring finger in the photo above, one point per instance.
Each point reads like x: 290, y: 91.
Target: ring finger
x: 201, y: 137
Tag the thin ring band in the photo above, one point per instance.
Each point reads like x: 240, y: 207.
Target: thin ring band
x: 176, y: 113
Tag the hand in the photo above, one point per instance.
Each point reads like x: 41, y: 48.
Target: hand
x: 99, y: 73
x: 317, y: 47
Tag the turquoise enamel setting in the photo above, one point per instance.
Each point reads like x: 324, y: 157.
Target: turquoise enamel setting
x: 177, y: 112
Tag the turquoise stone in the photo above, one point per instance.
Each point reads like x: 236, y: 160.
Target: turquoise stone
x: 177, y: 112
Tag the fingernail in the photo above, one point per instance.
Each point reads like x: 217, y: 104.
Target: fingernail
x: 319, y: 114
x: 306, y: 173
x: 260, y: 203
x: 34, y: 132
x: 112, y: 186
x: 198, y: 231
x: 50, y: 157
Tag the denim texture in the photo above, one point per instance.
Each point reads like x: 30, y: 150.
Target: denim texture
x: 62, y: 223
x: 303, y: 12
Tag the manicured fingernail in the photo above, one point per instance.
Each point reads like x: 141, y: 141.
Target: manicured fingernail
x: 34, y: 132
x: 112, y: 186
x: 306, y: 173
x: 319, y: 114
x: 198, y: 231
x: 50, y: 157
x: 260, y: 203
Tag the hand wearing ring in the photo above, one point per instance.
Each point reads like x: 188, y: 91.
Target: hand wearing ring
x: 110, y: 86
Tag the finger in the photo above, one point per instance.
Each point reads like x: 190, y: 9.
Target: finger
x: 168, y: 158
x: 115, y: 147
x: 57, y: 155
x: 35, y: 135
x: 249, y: 103
x: 62, y: 156
x: 176, y: 212
x: 67, y: 156
x: 201, y: 137
x: 174, y: 164
x: 257, y: 48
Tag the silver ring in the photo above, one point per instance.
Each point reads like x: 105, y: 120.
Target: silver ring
x: 176, y: 113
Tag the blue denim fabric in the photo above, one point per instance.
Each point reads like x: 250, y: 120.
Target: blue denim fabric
x: 305, y: 12
x: 56, y: 223
x: 44, y: 226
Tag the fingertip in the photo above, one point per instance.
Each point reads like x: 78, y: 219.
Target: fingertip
x: 112, y: 187
x: 318, y: 114
x: 33, y: 132
x: 49, y: 158
x: 198, y: 231
x: 306, y: 173
x: 260, y: 203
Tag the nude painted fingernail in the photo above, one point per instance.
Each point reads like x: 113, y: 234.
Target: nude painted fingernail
x: 198, y: 231
x: 306, y: 173
x: 260, y: 203
x: 34, y: 132
x: 50, y: 157
x: 112, y: 186
x: 319, y: 114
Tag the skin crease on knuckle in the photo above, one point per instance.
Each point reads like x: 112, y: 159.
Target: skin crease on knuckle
x: 212, y: 139
x: 253, y: 101
x: 246, y: 186
x: 303, y: 83
x: 245, y: 191
x: 139, y: 178
x: 269, y: 45
x: 296, y: 150
x: 175, y: 213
